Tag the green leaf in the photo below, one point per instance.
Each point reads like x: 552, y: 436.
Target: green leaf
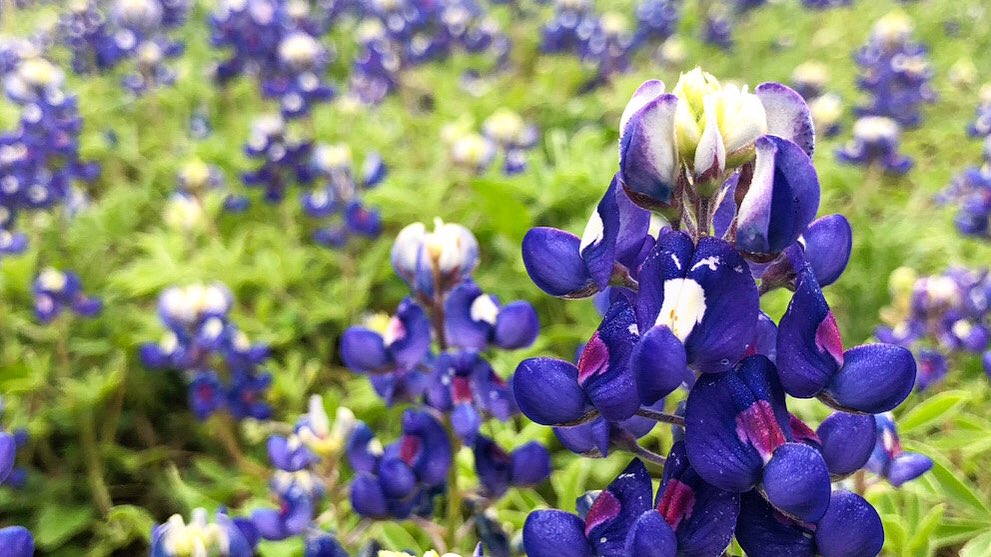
x: 57, y: 523
x: 955, y: 488
x: 978, y: 547
x: 930, y: 411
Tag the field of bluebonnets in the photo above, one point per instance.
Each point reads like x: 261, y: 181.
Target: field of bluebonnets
x: 224, y: 331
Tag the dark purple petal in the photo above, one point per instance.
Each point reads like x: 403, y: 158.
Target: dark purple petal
x: 648, y: 153
x: 531, y: 465
x: 591, y: 439
x: 763, y: 531
x: 634, y: 222
x: 546, y: 533
x: 782, y: 199
x: 396, y: 478
x: 875, y: 378
x: 667, y: 260
x: 553, y: 261
x: 604, y: 367
x: 796, y: 482
x: 608, y: 522
x: 850, y: 528
x: 725, y: 212
x: 547, y: 391
x: 367, y: 498
x: 810, y: 350
x: 702, y: 516
x: 363, y: 450
x: 828, y: 244
x: 8, y: 450
x: 469, y: 318
x: 16, y: 541
x: 410, y: 332
x: 270, y: 524
x: 659, y: 364
x: 908, y: 466
x: 847, y: 441
x: 598, y: 242
x: 734, y: 422
x: 788, y: 115
x: 517, y: 326
x: 465, y: 421
x: 650, y: 536
x: 492, y: 465
x: 425, y: 447
x: 363, y: 350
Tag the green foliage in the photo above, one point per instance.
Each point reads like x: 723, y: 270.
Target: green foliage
x: 113, y: 447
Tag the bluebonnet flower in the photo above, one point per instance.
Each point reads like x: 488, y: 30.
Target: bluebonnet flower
x: 196, y: 180
x: 895, y: 72
x: 498, y: 470
x: 39, y: 161
x: 718, y: 29
x: 298, y: 494
x: 875, y: 141
x: 940, y: 318
x: 401, y: 479
x: 17, y: 541
x: 970, y: 191
x: 201, y: 342
x: 437, y: 261
x: 296, y: 81
x: 981, y: 126
x: 478, y: 553
x: 225, y: 536
x: 284, y: 159
x: 512, y: 136
x: 825, y: 4
x: 657, y: 20
x: 732, y: 172
x: 55, y: 291
x: 252, y: 29
x: 338, y: 192
x: 889, y: 460
x: 376, y: 67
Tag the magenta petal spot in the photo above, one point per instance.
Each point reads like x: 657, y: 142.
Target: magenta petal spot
x: 605, y: 508
x: 758, y: 426
x: 594, y: 359
x: 409, y: 449
x: 461, y: 389
x: 676, y: 503
x: 828, y: 338
x: 801, y: 431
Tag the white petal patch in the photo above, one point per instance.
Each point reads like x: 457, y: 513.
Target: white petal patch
x: 593, y: 233
x: 683, y: 307
x: 484, y: 309
x: 712, y: 262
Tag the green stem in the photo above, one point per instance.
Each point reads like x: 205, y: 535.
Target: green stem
x: 94, y: 466
x: 453, y: 493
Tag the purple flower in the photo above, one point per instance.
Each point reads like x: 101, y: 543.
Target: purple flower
x: 875, y: 141
x: 16, y: 541
x: 235, y: 537
x: 55, y: 291
x: 889, y: 460
x: 402, y: 344
x: 297, y: 493
x: 497, y: 470
x: 432, y: 262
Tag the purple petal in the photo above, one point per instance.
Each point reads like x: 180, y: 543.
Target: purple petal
x: 492, y: 465
x: 875, y: 378
x: 16, y: 541
x: 8, y: 450
x: 850, y: 527
x: 553, y: 261
x: 796, y: 482
x: 604, y: 367
x: 396, y: 478
x: 531, y: 465
x: 782, y: 199
x: 598, y: 242
x: 367, y: 498
x: 363, y: 350
x: 650, y: 536
x: 810, y: 350
x: 591, y: 439
x: 412, y: 341
x: 517, y: 326
x: 733, y: 422
x: 659, y: 364
x: 432, y: 447
x: 847, y: 441
x: 788, y: 115
x: 908, y: 466
x: 546, y: 532
x: 270, y: 524
x: 547, y: 391
x: 467, y: 322
x: 608, y: 522
x: 634, y: 222
x: 828, y: 244
x: 648, y: 153
x: 763, y: 531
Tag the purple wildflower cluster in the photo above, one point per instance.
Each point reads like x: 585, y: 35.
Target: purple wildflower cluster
x: 225, y: 536
x: 102, y: 36
x: 39, y: 161
x: 504, y: 135
x: 300, y: 458
x: 16, y: 541
x: 731, y: 171
x: 970, y: 192
x: 606, y: 42
x: 450, y: 313
x: 810, y: 80
x: 56, y: 291
x: 981, y: 126
x: 223, y: 368
x: 895, y: 72
x: 939, y: 316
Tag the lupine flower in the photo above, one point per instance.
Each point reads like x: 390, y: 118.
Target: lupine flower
x: 40, y: 160
x: 970, y: 191
x: 226, y: 537
x: 478, y: 553
x: 449, y: 253
x: 17, y: 541
x: 297, y: 494
x: 399, y: 480
x: 889, y: 460
x: 284, y: 158
x: 733, y: 175
x: 338, y: 192
x: 526, y: 466
x: 895, y: 72
x: 55, y: 291
x: 718, y: 29
x: 323, y: 545
x: 200, y: 342
x: 981, y: 126
x: 825, y: 4
x: 875, y: 141
x: 296, y: 81
x: 657, y: 20
x: 512, y: 136
x: 940, y: 318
